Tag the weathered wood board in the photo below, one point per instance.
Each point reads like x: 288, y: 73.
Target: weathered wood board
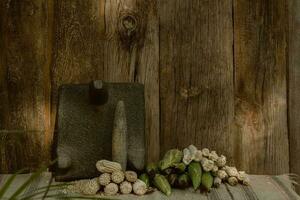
x: 260, y: 47
x: 196, y: 79
x: 24, y: 83
x: 294, y: 86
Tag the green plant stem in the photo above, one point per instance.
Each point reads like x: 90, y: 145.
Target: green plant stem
x: 9, y: 182
x: 31, y: 178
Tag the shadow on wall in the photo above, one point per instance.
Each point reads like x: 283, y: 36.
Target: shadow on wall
x: 19, y: 149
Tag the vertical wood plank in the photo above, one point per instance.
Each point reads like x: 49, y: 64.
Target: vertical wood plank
x: 24, y: 83
x: 78, y: 38
x: 260, y: 47
x: 131, y: 54
x: 196, y: 75
x: 294, y: 86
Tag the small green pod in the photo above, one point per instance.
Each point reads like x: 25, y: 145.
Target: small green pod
x: 151, y: 169
x: 172, y: 178
x: 161, y: 183
x: 183, y: 181
x: 195, y: 173
x: 179, y: 168
x: 207, y: 180
x: 145, y: 178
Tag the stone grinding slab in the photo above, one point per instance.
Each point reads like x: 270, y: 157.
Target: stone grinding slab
x: 84, y: 124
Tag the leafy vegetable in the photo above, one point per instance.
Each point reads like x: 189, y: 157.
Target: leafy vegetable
x: 171, y: 157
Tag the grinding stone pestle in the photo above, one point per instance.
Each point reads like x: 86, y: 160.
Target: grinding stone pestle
x: 119, y: 135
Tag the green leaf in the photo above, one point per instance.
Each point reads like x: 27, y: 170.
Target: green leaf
x: 31, y: 179
x: 47, y: 189
x: 9, y: 182
x: 170, y: 158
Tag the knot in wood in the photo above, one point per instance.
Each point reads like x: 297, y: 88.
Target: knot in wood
x: 129, y: 23
x: 129, y: 27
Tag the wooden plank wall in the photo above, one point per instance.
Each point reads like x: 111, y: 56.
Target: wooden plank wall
x: 196, y: 74
x: 294, y: 86
x: 73, y: 41
x: 215, y: 73
x: 25, y: 83
x: 260, y: 47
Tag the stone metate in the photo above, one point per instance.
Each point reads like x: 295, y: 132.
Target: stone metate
x: 85, y: 123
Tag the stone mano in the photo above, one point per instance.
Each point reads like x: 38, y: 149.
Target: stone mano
x: 84, y: 124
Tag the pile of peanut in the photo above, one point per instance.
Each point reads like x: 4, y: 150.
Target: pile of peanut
x: 113, y: 180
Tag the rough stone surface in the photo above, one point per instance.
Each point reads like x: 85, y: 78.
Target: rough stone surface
x: 119, y: 136
x: 84, y: 130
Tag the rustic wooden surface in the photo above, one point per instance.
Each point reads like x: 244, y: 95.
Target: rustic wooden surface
x: 214, y: 73
x: 25, y: 84
x: 77, y: 45
x: 294, y: 86
x: 196, y: 64
x: 131, y: 55
x: 260, y: 35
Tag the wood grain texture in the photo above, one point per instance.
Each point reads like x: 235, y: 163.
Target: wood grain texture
x: 24, y: 95
x: 214, y: 73
x: 196, y: 75
x: 260, y: 47
x: 294, y: 86
x: 131, y: 54
x: 78, y: 44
